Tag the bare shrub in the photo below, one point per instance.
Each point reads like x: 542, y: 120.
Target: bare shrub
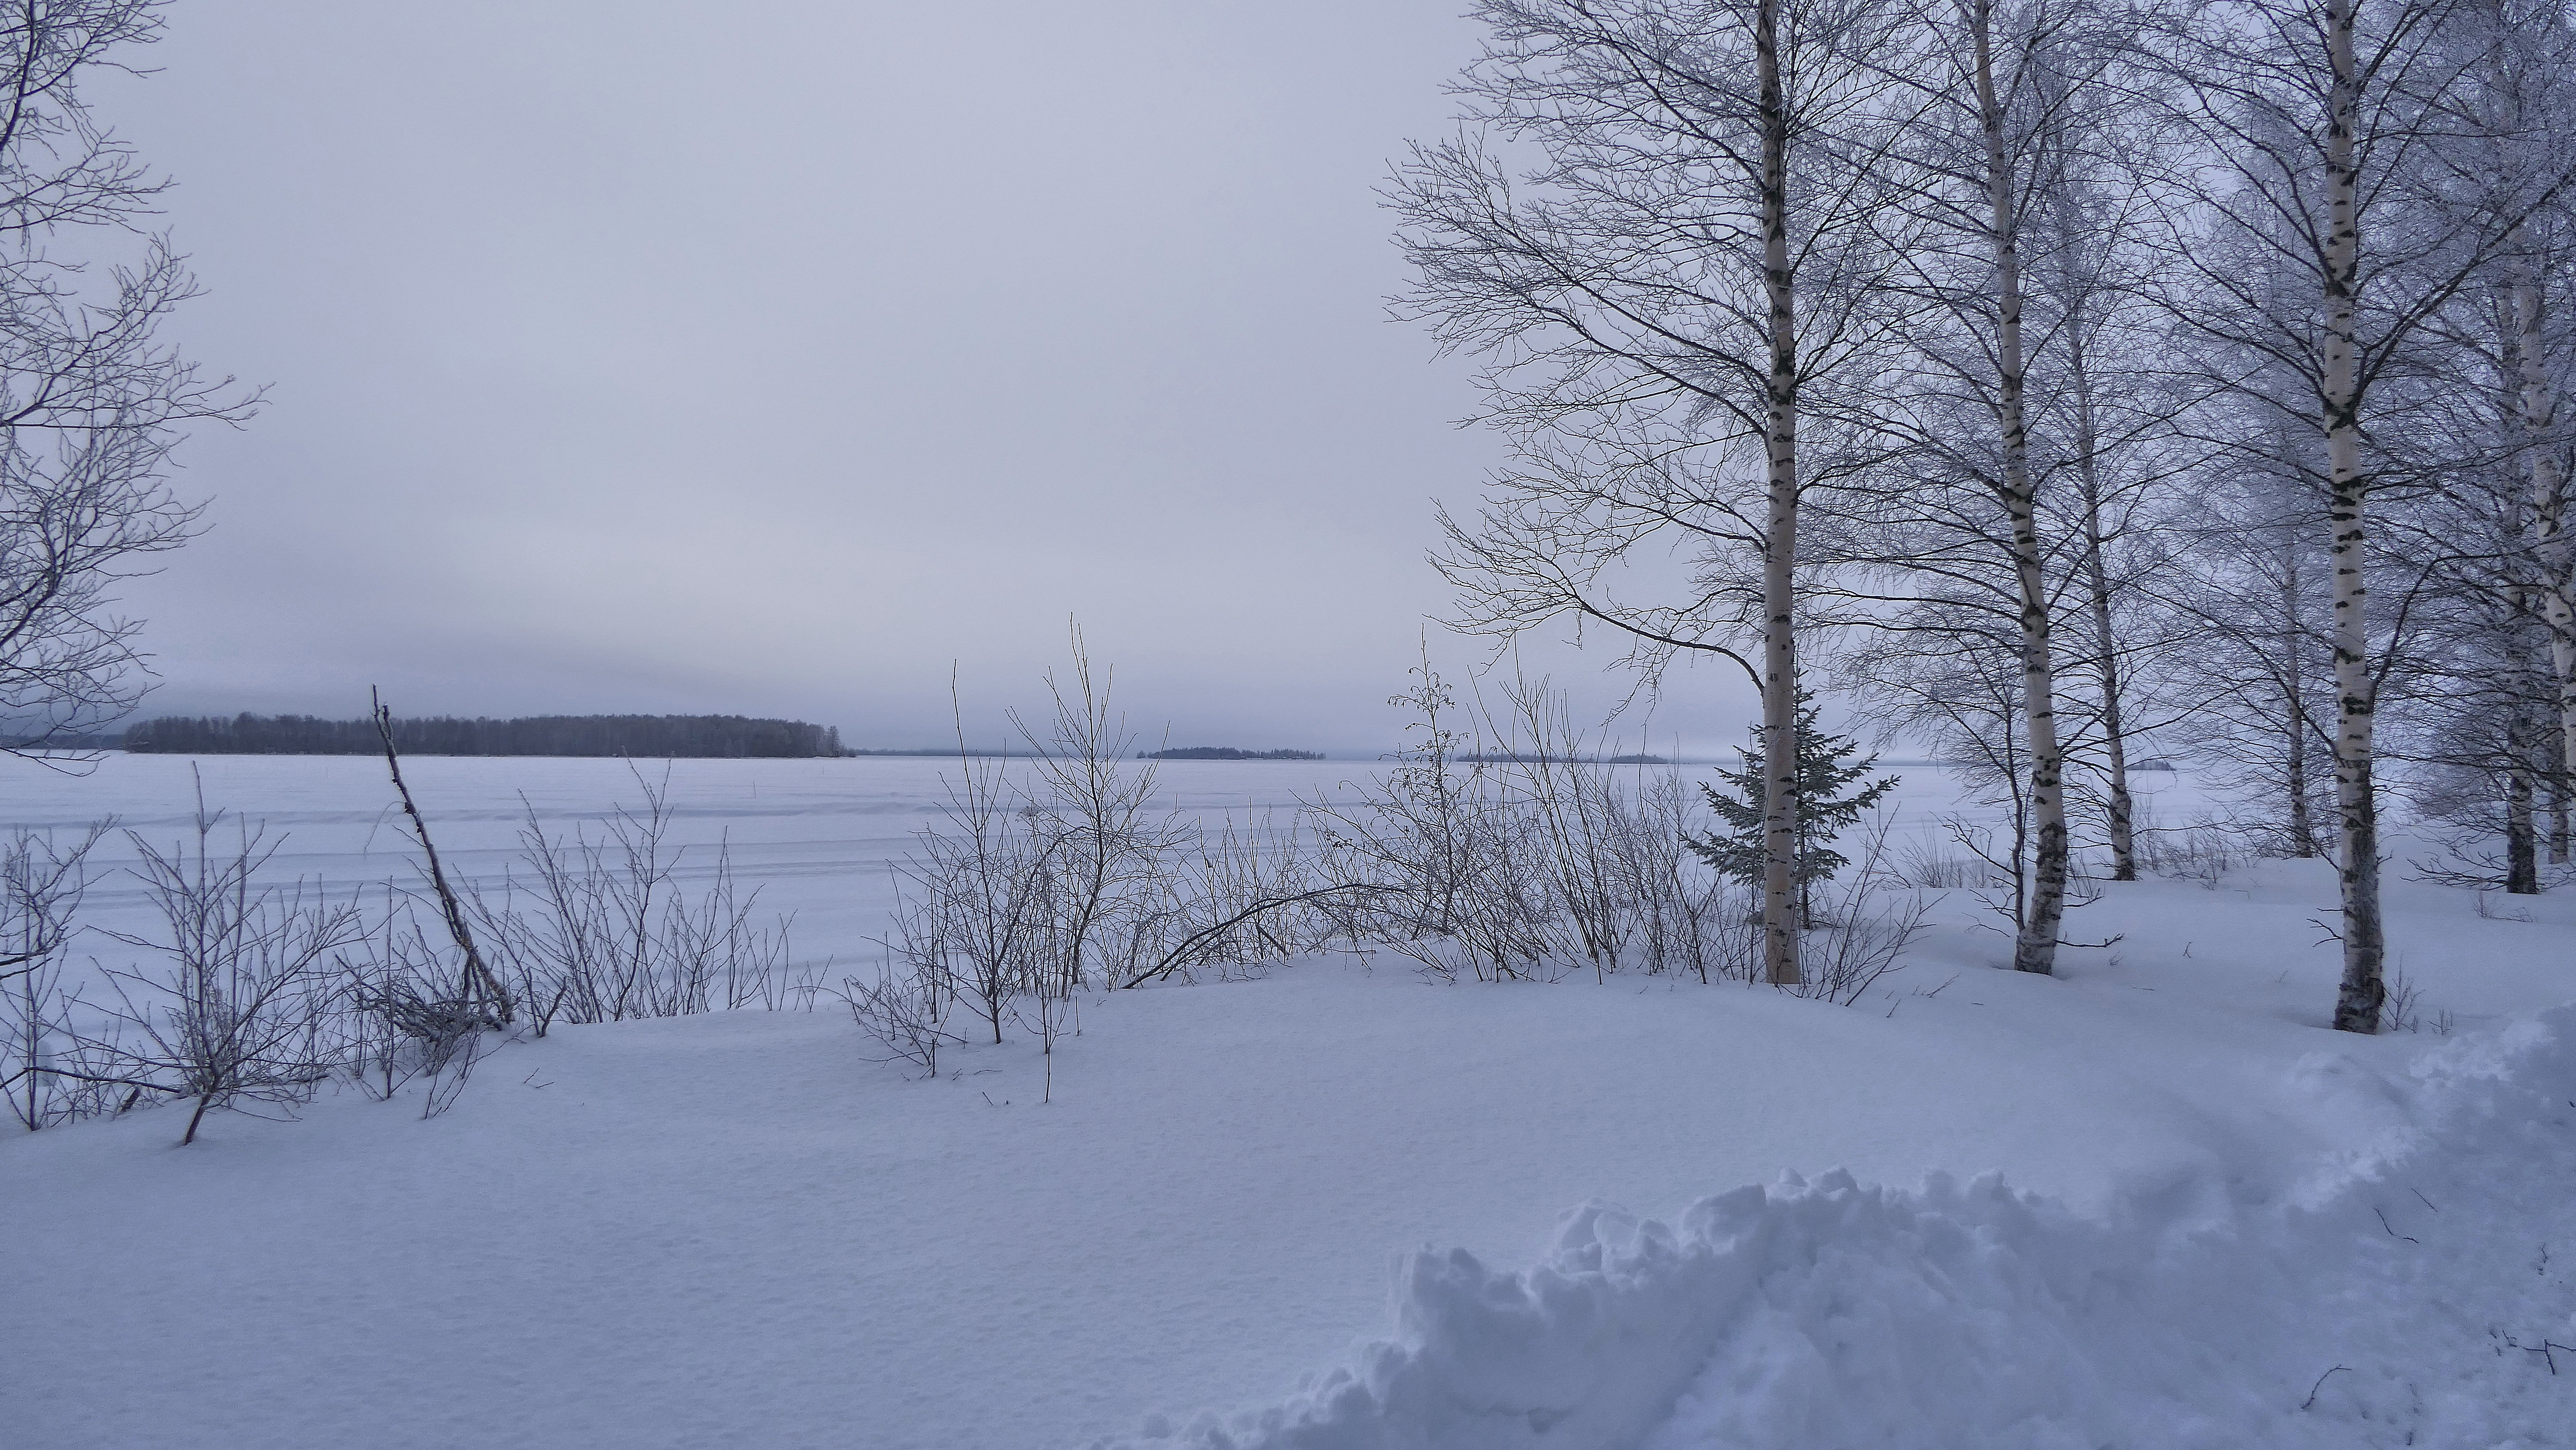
x: 2484, y: 903
x: 1865, y: 925
x: 1530, y: 857
x: 905, y: 1009
x: 1687, y: 920
x: 609, y: 932
x: 1462, y: 876
x: 41, y: 885
x: 2402, y: 1010
x: 1105, y: 857
x: 1045, y: 1015
x: 2204, y: 853
x: 1923, y: 864
x: 1417, y: 830
x: 985, y: 900
x: 411, y: 1015
x: 1246, y: 895
x: 244, y: 1005
x: 479, y: 989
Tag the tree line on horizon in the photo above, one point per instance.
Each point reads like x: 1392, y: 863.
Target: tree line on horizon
x: 1225, y: 752
x: 690, y: 736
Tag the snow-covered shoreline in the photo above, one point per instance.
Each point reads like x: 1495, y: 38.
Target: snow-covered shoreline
x: 735, y: 1229
x: 1829, y: 1312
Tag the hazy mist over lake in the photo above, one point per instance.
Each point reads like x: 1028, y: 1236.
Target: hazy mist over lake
x: 778, y: 366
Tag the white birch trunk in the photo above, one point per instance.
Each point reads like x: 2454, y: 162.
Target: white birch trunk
x: 1780, y: 804
x: 2359, y: 998
x: 2521, y: 839
x: 2035, y: 950
x: 2538, y: 402
x: 2097, y: 578
x: 2294, y: 699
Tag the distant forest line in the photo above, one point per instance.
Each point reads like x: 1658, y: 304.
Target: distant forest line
x: 1183, y: 752
x: 1226, y: 752
x: 719, y: 737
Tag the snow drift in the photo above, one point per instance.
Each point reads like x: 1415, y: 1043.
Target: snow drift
x: 2407, y: 1295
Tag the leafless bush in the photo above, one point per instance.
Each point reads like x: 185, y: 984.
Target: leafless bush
x: 1529, y: 858
x: 2484, y: 904
x: 2402, y: 1009
x: 244, y: 1005
x: 1865, y: 925
x: 1246, y: 895
x: 1681, y: 915
x: 1462, y: 876
x: 2204, y: 853
x: 41, y: 884
x: 1522, y: 857
x: 906, y: 1009
x: 412, y: 1015
x: 609, y: 931
x: 1045, y: 1014
x: 480, y: 990
x: 1106, y: 856
x: 1923, y: 864
x: 984, y: 901
x: 1029, y: 889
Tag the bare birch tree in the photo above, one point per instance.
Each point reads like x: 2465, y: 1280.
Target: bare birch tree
x: 2007, y: 89
x: 1659, y: 232
x: 2325, y: 245
x: 2523, y: 118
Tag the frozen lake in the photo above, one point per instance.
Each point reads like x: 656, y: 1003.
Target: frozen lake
x: 820, y: 838
x: 742, y: 1228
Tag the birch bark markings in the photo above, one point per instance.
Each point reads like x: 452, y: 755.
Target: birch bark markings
x: 1780, y: 805
x: 2537, y: 406
x: 2362, y: 992
x: 2097, y: 579
x: 2035, y: 949
x: 2294, y: 694
x: 1637, y: 293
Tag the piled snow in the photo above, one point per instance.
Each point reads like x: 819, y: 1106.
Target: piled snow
x: 736, y: 1230
x: 2413, y: 1299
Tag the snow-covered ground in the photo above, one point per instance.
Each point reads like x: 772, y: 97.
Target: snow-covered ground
x: 735, y: 1230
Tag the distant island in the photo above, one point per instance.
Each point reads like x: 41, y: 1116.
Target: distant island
x: 1226, y: 752
x: 1514, y: 758
x: 949, y: 752
x: 715, y: 737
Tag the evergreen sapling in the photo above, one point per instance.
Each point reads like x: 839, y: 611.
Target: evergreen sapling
x: 1825, y: 771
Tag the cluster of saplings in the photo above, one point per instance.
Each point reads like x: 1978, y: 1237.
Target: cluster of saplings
x: 254, y: 990
x: 1503, y: 850
x: 721, y: 737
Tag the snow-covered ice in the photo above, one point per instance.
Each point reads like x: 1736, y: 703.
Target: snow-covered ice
x: 1331, y: 1208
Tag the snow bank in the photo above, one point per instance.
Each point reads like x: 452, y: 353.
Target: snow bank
x: 737, y: 1230
x: 2405, y: 1296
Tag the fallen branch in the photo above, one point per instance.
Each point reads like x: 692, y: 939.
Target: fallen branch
x: 478, y: 977
x: 1172, y: 960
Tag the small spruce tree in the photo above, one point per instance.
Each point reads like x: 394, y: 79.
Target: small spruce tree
x: 1826, y: 770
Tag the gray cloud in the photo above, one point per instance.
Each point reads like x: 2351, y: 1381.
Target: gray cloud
x: 771, y: 357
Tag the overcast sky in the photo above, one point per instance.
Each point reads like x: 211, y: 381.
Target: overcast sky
x: 770, y: 356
